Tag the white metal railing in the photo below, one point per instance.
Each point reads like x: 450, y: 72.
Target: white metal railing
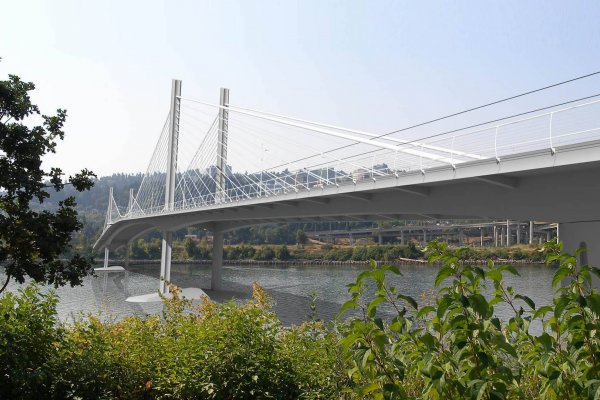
x: 575, y: 124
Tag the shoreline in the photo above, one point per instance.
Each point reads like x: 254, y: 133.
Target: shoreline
x: 401, y: 261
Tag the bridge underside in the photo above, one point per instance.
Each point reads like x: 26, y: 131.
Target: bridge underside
x: 566, y: 189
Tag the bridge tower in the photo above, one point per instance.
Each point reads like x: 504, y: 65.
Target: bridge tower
x: 220, y: 195
x: 170, y: 181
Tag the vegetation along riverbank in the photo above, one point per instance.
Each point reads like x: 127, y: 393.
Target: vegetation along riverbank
x: 448, y: 345
x: 199, y: 252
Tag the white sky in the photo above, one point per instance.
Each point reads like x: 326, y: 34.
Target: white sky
x: 370, y: 65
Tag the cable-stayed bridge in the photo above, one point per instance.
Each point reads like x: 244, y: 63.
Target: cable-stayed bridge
x: 224, y: 167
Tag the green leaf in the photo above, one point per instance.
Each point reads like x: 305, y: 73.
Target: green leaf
x: 442, y: 275
x: 409, y: 300
x: 392, y: 268
x: 542, y: 311
x: 560, y: 304
x: 428, y: 340
x: 372, y: 307
x: 443, y: 305
x: 479, y: 304
x: 559, y: 275
x: 526, y: 299
x: 348, y: 305
x: 424, y: 311
x: 510, y: 269
x: 545, y: 341
x: 593, y: 302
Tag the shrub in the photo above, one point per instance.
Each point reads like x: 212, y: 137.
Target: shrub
x: 264, y: 253
x: 456, y: 347
x: 359, y: 253
x: 211, y: 351
x: 283, y: 253
x: 28, y: 331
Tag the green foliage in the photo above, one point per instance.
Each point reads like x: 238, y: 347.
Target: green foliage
x: 33, y: 241
x: 454, y: 346
x: 205, y: 351
x: 264, y: 253
x: 283, y: 253
x: 27, y: 336
x: 301, y: 237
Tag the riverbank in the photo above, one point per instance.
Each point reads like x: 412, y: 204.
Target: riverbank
x: 194, y: 252
x: 275, y: 262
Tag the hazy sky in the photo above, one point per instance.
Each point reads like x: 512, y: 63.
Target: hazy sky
x: 371, y: 65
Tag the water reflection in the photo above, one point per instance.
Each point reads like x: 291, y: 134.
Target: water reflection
x: 289, y: 285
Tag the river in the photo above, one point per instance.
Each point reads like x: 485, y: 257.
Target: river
x: 288, y: 285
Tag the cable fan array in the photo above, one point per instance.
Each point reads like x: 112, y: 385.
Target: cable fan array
x: 269, y: 155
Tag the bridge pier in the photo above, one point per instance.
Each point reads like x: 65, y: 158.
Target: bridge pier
x: 106, y: 254
x: 530, y: 232
x: 518, y: 233
x: 216, y: 279
x: 127, y: 251
x: 583, y: 234
x: 165, y: 261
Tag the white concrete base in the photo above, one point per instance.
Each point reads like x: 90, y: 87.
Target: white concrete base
x: 187, y: 293
x: 112, y: 268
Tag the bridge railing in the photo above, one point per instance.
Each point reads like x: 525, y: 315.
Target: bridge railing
x: 576, y: 124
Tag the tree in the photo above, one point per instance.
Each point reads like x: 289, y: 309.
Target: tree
x: 301, y: 237
x: 191, y: 248
x: 283, y: 253
x: 32, y: 241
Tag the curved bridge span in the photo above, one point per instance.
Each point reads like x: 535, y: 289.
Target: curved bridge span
x: 544, y: 167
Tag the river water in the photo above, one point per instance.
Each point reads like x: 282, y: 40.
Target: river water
x: 288, y: 285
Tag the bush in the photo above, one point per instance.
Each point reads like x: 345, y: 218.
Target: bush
x: 359, y: 253
x: 206, y: 351
x: 393, y: 253
x: 264, y: 253
x: 28, y: 331
x: 455, y: 347
x: 283, y: 253
x: 412, y: 252
x: 338, y: 254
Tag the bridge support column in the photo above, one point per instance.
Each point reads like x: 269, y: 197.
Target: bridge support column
x: 508, y: 234
x: 530, y: 232
x: 583, y: 234
x: 495, y: 236
x: 216, y: 279
x: 424, y: 237
x: 518, y: 233
x: 127, y: 252
x: 106, y: 254
x: 165, y: 261
x: 379, y: 238
x: 481, y: 237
